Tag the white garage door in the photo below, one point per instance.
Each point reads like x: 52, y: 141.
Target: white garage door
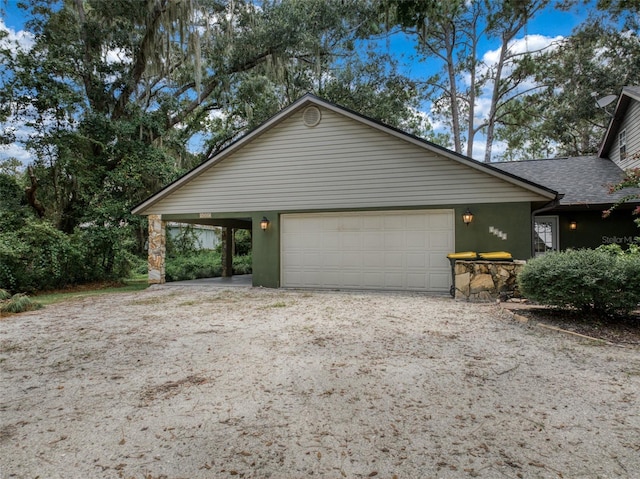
x: 393, y: 250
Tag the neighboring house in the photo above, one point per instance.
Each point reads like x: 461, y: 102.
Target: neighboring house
x: 350, y: 203
x: 205, y: 236
x: 583, y: 183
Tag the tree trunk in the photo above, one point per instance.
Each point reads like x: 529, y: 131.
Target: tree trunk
x: 495, y: 98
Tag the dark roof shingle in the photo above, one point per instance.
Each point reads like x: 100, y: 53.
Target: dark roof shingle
x: 582, y: 179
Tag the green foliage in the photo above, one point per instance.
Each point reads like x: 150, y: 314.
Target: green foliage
x: 4, y: 294
x: 631, y: 180
x: 242, y: 241
x: 202, y: 264
x: 12, y: 203
x: 36, y: 256
x: 19, y: 303
x: 185, y: 243
x: 242, y: 264
x: 561, y: 118
x: 598, y: 281
x: 616, y: 249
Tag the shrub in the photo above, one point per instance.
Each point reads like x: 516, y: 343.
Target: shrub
x: 202, y: 264
x: 599, y: 281
x: 19, y: 303
x: 36, y: 257
x: 242, y: 264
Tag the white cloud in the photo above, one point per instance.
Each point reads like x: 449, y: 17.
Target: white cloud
x: 14, y: 150
x: 116, y: 56
x: 480, y: 146
x: 21, y: 40
x: 528, y: 43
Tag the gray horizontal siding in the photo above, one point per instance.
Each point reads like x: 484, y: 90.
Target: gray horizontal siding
x: 631, y: 124
x: 340, y: 163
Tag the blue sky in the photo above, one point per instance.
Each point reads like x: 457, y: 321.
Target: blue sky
x: 549, y: 24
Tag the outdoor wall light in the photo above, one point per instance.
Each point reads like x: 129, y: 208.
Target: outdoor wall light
x: 467, y: 217
x: 264, y: 224
x: 573, y: 225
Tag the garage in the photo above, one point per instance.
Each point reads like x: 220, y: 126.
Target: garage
x: 391, y: 250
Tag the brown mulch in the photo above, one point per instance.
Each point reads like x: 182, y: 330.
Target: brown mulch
x: 622, y: 331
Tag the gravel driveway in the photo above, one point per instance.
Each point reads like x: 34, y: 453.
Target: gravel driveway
x: 191, y: 382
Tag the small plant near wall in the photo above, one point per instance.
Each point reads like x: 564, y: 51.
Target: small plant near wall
x: 604, y: 282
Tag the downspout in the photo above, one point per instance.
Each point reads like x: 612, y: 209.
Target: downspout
x: 549, y: 206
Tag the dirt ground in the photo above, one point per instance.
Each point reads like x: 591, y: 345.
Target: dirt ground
x: 191, y: 382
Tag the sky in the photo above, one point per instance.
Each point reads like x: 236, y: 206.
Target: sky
x: 550, y: 25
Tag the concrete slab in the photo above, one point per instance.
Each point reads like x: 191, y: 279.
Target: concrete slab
x: 238, y: 281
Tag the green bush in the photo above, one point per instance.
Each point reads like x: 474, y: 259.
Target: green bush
x: 19, y: 303
x: 202, y: 264
x: 37, y: 257
x: 242, y: 264
x: 599, y: 281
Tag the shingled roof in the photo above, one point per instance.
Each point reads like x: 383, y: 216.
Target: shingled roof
x: 584, y: 180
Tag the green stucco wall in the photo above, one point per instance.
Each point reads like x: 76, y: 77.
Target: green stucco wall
x: 266, y: 250
x: 514, y: 219
x: 594, y: 230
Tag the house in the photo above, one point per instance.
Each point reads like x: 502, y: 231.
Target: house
x: 350, y: 203
x: 338, y: 200
x: 583, y: 182
x: 203, y: 236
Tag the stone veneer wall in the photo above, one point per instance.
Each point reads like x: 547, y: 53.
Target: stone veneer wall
x: 487, y: 280
x: 157, y: 249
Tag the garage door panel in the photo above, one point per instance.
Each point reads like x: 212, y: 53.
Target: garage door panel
x: 399, y: 250
x: 394, y: 280
x: 372, y: 279
x: 373, y: 223
x: 442, y: 221
x: 351, y: 241
x: 417, y: 280
x: 393, y: 260
x: 438, y: 261
x: 440, y: 240
x: 394, y: 240
x: 332, y: 260
x: 371, y: 260
x: 416, y: 240
x: 439, y: 281
x: 416, y: 260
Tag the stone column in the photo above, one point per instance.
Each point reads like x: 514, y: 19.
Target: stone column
x: 157, y: 249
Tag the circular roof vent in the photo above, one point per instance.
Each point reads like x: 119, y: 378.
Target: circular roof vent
x: 311, y: 116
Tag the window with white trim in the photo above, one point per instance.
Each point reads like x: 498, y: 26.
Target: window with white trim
x: 622, y: 142
x: 545, y: 234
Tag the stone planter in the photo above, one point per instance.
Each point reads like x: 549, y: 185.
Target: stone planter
x: 487, y: 280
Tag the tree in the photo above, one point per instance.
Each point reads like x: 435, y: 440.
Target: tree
x: 114, y: 93
x: 450, y: 33
x: 561, y: 118
x: 631, y: 180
